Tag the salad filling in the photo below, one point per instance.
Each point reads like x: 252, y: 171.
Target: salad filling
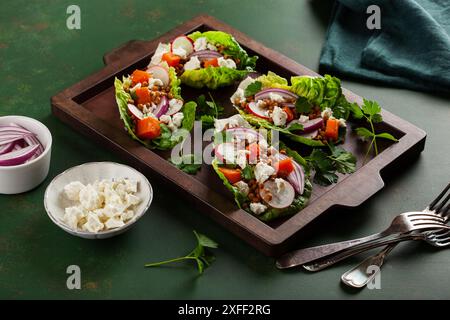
x: 266, y: 182
x: 311, y: 110
x: 212, y: 59
x: 152, y: 109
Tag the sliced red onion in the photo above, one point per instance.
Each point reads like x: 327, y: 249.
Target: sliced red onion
x: 31, y: 139
x: 135, y: 111
x: 309, y: 135
x: 17, y: 157
x: 6, y: 138
x: 263, y: 94
x: 7, y: 147
x: 296, y: 177
x: 14, y: 128
x: 312, y: 125
x: 243, y: 133
x: 205, y: 55
x: 162, y: 107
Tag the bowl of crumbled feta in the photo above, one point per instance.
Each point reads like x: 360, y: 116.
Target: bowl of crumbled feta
x: 98, y: 200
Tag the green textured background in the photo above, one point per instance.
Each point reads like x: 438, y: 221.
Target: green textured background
x: 39, y: 57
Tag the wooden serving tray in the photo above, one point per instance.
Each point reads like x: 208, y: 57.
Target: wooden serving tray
x: 89, y: 107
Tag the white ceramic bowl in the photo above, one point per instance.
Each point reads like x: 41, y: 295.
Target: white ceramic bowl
x: 24, y: 177
x: 55, y: 201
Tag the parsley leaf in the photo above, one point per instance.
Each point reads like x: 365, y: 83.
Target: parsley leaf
x: 326, y: 165
x: 188, y: 163
x: 302, y: 105
x: 208, y: 111
x: 371, y: 111
x: 252, y: 88
x: 200, y: 254
x: 295, y: 126
x: 247, y: 173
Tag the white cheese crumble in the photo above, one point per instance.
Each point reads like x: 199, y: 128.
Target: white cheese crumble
x: 180, y: 52
x: 175, y: 105
x: 177, y: 119
x: 326, y: 113
x: 263, y: 171
x: 192, y: 64
x: 303, y: 119
x: 227, y: 63
x: 280, y: 183
x: 157, y: 56
x: 155, y: 82
x: 238, y: 96
x: 200, y: 44
x: 242, y: 187
x: 279, y: 117
x: 257, y: 208
x: 102, y: 205
x: 275, y: 97
x: 241, y: 158
x: 166, y: 119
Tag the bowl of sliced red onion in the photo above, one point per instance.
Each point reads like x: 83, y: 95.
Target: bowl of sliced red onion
x: 25, y: 150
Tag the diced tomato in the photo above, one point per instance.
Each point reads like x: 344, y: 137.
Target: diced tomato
x: 232, y: 175
x: 148, y: 128
x: 332, y: 129
x: 284, y: 167
x: 290, y: 114
x: 254, y: 152
x: 212, y: 62
x: 139, y: 76
x: 172, y: 59
x: 143, y: 95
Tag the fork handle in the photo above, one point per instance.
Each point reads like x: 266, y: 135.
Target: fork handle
x: 302, y: 256
x: 358, y: 276
x: 321, y: 264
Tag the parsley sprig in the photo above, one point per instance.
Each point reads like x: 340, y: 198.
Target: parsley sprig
x: 208, y: 111
x: 326, y: 165
x: 252, y: 89
x: 189, y: 163
x: 371, y: 112
x: 200, y: 254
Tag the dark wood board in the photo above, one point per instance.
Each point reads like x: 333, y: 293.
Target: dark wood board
x: 89, y: 107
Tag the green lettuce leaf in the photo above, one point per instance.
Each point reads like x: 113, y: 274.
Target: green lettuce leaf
x: 238, y: 197
x: 259, y: 122
x: 312, y: 88
x: 211, y: 77
x: 232, y: 47
x: 175, y: 84
x: 272, y: 80
x: 167, y: 140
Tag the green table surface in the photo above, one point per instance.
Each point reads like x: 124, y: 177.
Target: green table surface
x: 39, y: 57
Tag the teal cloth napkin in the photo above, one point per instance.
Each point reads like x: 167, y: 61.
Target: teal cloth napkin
x: 411, y: 50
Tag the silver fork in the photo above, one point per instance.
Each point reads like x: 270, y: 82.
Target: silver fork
x: 358, y: 277
x: 403, y: 223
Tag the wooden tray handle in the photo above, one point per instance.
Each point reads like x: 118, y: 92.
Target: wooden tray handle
x: 128, y: 48
x: 360, y: 189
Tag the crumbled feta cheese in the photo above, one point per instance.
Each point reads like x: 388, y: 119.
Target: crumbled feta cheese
x: 102, y: 205
x: 275, y: 97
x: 242, y: 187
x: 137, y: 86
x: 200, y: 44
x: 263, y: 171
x: 155, y: 82
x: 157, y: 56
x: 238, y: 96
x: 93, y: 223
x: 211, y: 47
x: 280, y: 183
x: 72, y: 190
x: 180, y: 52
x: 303, y: 119
x: 279, y: 117
x: 177, y: 119
x: 241, y: 158
x: 113, y: 223
x: 233, y: 121
x: 175, y: 105
x: 342, y: 123
x: 326, y: 113
x: 257, y: 208
x: 192, y: 64
x: 227, y: 63
x: 165, y: 119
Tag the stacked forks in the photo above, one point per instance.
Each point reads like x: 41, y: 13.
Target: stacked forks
x: 428, y: 225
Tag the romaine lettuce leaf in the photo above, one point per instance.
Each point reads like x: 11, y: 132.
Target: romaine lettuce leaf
x: 232, y: 47
x: 272, y: 80
x: 212, y: 77
x: 175, y: 84
x: 238, y: 197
